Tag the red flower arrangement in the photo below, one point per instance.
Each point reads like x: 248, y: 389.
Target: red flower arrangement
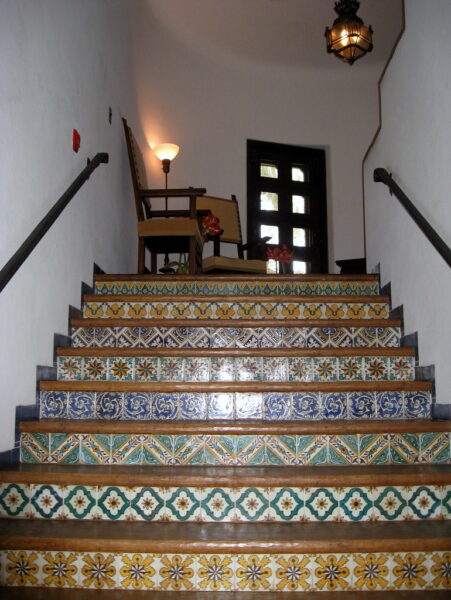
x: 211, y: 226
x: 280, y: 254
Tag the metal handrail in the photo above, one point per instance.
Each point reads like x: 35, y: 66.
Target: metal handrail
x: 383, y: 176
x: 19, y: 257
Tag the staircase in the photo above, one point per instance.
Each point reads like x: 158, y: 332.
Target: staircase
x: 218, y: 437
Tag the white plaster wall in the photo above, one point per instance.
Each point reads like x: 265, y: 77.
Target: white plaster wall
x: 63, y: 63
x: 414, y: 145
x: 210, y: 104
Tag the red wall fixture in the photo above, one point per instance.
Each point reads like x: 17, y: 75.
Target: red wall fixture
x: 75, y: 140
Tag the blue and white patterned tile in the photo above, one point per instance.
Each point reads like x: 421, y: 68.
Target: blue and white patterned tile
x: 81, y: 405
x: 109, y: 405
x: 389, y: 405
x: 136, y: 406
x: 334, y: 405
x: 53, y: 405
x: 306, y: 406
x: 248, y: 405
x: 361, y: 405
x: 417, y: 405
x: 192, y: 406
x: 164, y: 407
x: 277, y: 406
x: 221, y: 406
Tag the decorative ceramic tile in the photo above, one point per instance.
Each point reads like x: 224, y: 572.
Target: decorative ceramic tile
x: 196, y: 309
x: 253, y: 288
x: 157, y: 406
x: 240, y: 337
x: 70, y: 367
x: 271, y: 449
x: 333, y: 572
x: 389, y: 503
x: 14, y: 500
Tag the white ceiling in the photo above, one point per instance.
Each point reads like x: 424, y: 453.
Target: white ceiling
x: 283, y: 33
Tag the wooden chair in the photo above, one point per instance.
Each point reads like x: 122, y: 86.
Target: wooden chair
x: 160, y: 231
x: 228, y: 214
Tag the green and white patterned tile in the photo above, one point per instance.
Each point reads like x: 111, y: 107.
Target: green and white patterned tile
x: 80, y: 502
x: 287, y: 503
x: 218, y: 504
x: 235, y: 288
x: 184, y: 504
x: 14, y: 500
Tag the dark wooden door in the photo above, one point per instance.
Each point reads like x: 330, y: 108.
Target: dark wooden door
x: 286, y: 199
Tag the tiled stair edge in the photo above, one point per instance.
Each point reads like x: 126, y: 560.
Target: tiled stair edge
x: 427, y: 373
x: 30, y: 412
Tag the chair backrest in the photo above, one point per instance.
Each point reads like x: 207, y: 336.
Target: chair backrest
x: 228, y: 214
x: 137, y: 168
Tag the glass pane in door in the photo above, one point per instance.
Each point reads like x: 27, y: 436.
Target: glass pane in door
x: 269, y: 170
x: 269, y: 201
x: 272, y: 231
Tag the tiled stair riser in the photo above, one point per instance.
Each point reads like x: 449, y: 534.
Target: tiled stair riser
x: 268, y: 406
x: 245, y: 504
x: 178, y: 309
x: 267, y: 368
x: 360, y: 571
x: 235, y: 450
x: 258, y: 288
x: 236, y: 337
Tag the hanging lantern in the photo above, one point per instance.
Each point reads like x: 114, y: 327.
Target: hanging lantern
x: 349, y: 38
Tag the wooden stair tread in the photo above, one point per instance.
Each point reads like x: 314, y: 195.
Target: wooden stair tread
x: 236, y: 427
x: 237, y: 277
x: 234, y: 386
x: 231, y: 352
x: 128, y: 536
x: 235, y: 323
x: 309, y: 476
x: 275, y: 298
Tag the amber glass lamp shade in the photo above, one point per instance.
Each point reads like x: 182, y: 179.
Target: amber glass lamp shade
x: 349, y: 38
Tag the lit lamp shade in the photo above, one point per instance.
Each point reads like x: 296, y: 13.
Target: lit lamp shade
x: 349, y: 38
x: 166, y: 151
